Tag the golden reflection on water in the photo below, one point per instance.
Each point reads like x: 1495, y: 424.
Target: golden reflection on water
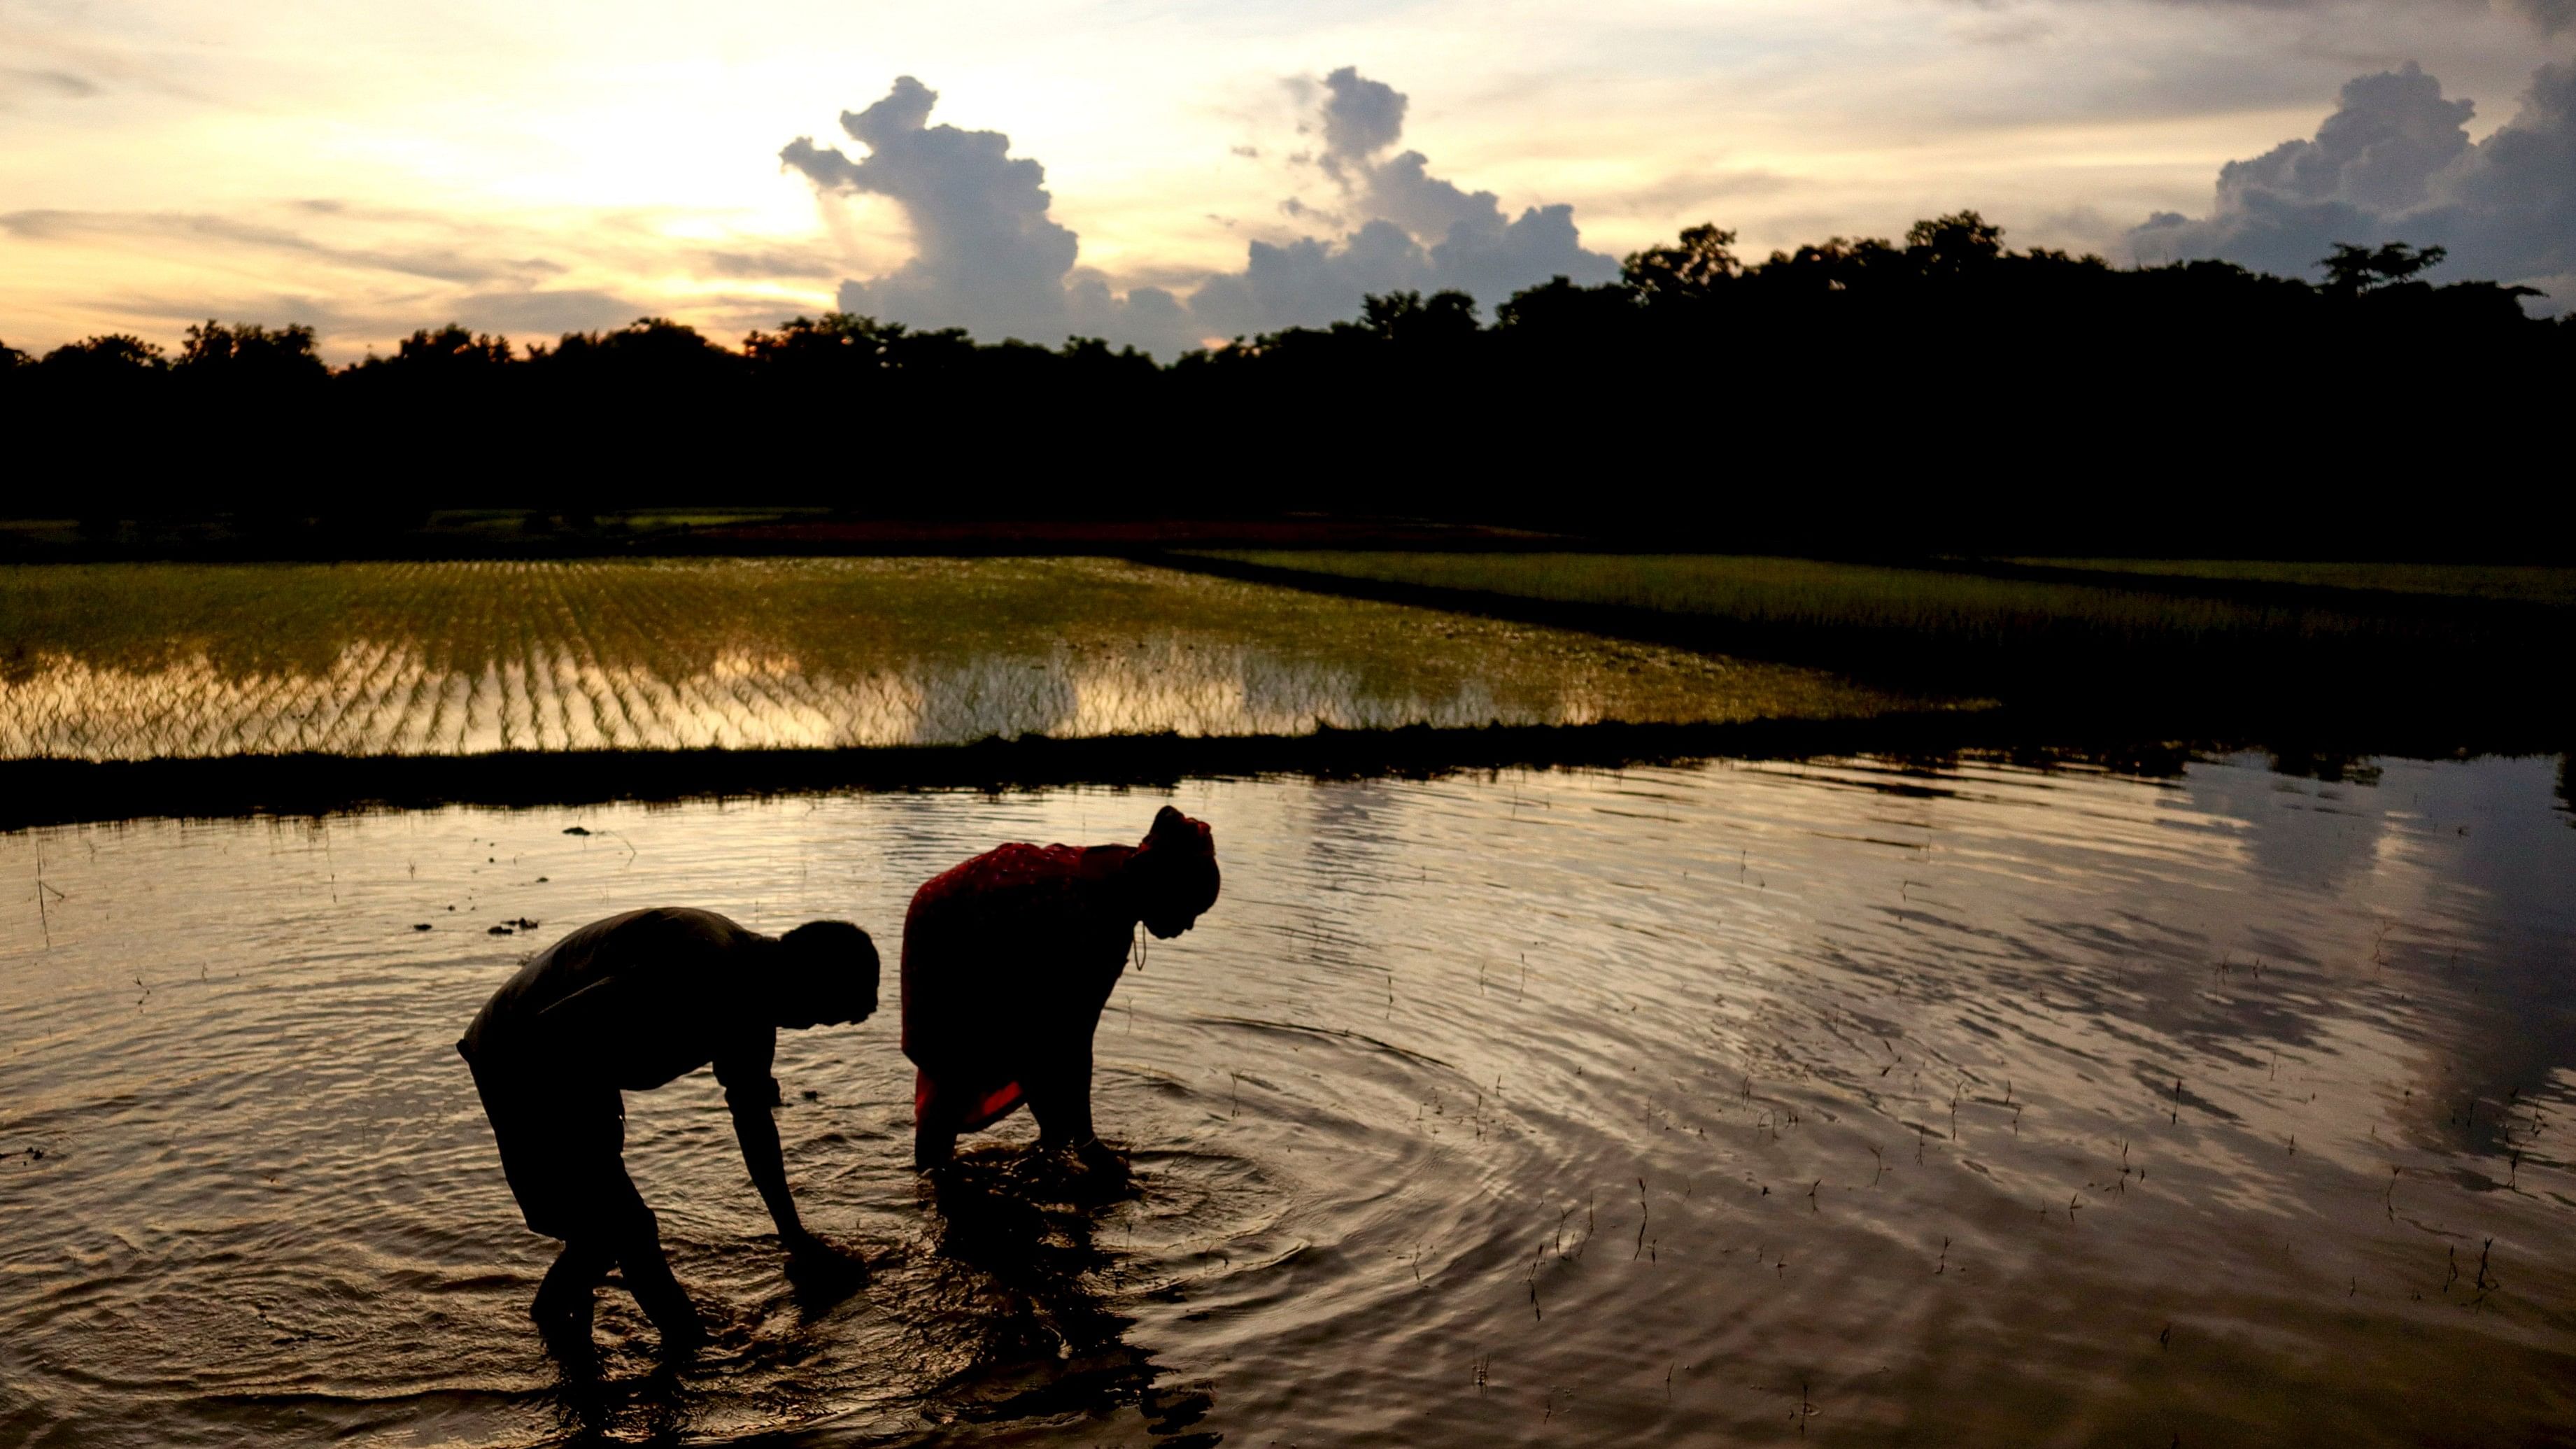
x: 131, y: 662
x: 1924, y: 1104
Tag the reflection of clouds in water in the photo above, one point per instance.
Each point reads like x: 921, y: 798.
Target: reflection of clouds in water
x: 1350, y: 836
x: 2492, y: 878
x: 2420, y: 883
x: 2312, y: 832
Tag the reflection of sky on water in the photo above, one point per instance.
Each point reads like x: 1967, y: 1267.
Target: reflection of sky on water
x: 1939, y: 1090
x: 2444, y: 863
x: 2244, y: 807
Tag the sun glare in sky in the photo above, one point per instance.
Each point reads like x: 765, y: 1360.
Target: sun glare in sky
x: 1208, y: 169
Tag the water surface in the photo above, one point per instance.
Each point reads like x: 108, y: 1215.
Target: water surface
x: 1873, y: 1103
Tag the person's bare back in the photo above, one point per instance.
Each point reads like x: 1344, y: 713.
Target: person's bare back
x: 631, y: 1003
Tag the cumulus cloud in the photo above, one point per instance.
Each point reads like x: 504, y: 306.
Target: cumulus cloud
x: 2395, y: 163
x: 1361, y: 117
x: 990, y: 258
x: 987, y: 256
x: 1417, y: 231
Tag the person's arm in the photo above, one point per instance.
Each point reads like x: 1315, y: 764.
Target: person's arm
x: 757, y: 1131
x: 750, y: 1095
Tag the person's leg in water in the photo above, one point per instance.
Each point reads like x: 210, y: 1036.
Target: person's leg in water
x: 605, y: 1224
x: 559, y: 1151
x: 565, y: 1298
x: 1059, y: 1092
x: 634, y: 1237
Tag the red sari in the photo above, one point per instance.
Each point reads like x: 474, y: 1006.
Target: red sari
x: 1008, y: 959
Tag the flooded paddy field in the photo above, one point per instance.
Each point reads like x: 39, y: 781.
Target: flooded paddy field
x: 181, y: 661
x: 1849, y: 1102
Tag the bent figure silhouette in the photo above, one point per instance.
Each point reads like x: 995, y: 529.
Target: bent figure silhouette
x: 629, y: 1004
x: 1008, y: 959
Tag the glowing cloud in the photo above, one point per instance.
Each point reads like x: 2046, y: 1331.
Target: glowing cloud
x: 991, y: 259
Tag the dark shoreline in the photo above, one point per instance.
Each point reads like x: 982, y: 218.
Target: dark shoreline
x: 220, y: 539
x: 38, y: 793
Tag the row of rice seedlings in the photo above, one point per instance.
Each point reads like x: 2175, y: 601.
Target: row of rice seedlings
x: 612, y: 722
x: 646, y: 612
x: 762, y: 695
x: 626, y: 711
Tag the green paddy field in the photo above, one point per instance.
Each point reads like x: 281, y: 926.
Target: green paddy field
x: 162, y: 661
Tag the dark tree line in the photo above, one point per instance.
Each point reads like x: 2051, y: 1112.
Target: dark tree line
x: 1915, y: 384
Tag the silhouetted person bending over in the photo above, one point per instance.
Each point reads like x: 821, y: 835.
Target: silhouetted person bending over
x: 1007, y: 962
x: 626, y: 1005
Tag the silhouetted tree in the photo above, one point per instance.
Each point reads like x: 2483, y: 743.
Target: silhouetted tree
x: 1836, y: 264
x: 1404, y: 319
x: 1558, y: 307
x: 654, y: 347
x: 449, y: 349
x: 1091, y: 364
x: 1693, y: 268
x: 111, y: 355
x: 1952, y: 245
x: 2352, y: 270
x: 840, y: 347
x: 247, y: 354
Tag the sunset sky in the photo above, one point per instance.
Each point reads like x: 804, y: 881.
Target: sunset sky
x: 544, y: 165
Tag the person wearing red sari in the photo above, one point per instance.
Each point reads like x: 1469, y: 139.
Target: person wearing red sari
x: 1009, y: 958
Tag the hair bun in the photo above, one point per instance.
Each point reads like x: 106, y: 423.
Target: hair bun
x: 1176, y: 832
